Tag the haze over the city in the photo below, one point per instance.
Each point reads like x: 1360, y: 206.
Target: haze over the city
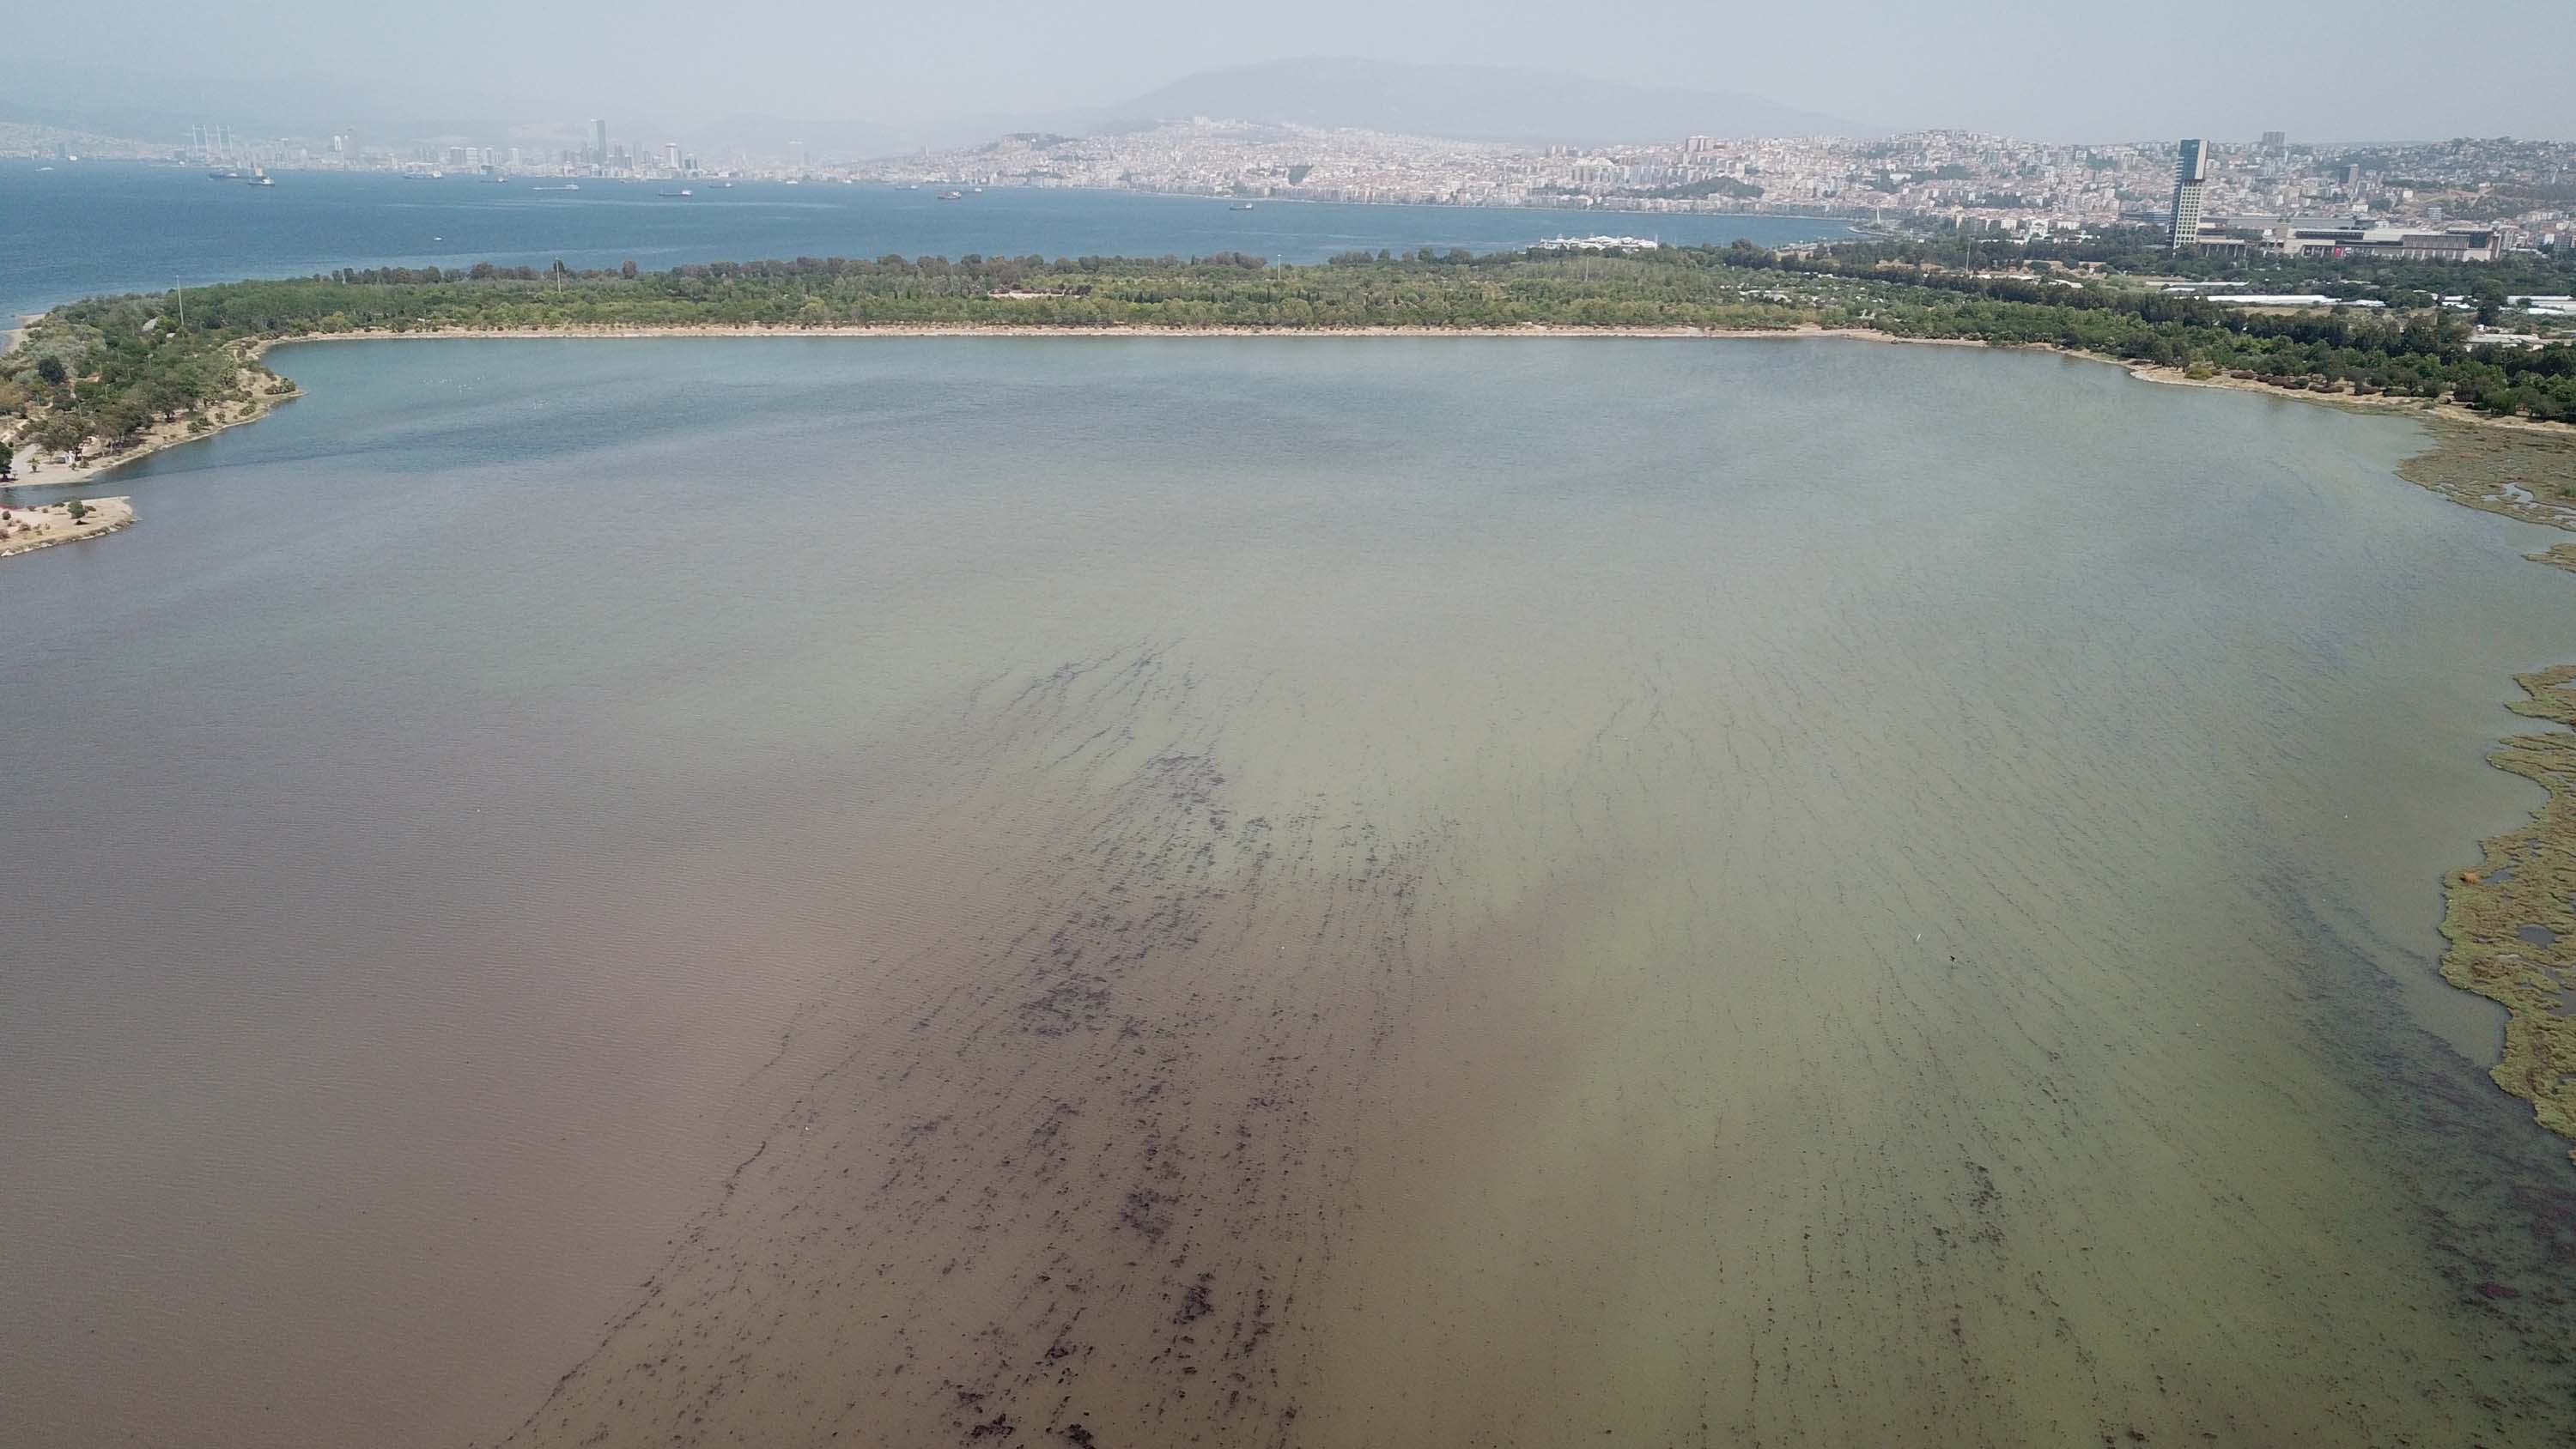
x: 2328, y: 69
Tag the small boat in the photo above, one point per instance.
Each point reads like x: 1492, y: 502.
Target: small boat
x: 223, y: 176
x: 952, y: 196
x: 683, y: 191
x: 259, y: 181
x: 1240, y: 206
x: 567, y: 186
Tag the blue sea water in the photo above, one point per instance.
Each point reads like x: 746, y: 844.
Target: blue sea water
x: 83, y: 228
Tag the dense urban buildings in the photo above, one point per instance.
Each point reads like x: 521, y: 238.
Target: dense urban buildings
x: 2469, y: 199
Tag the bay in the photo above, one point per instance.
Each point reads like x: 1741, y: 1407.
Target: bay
x: 1352, y: 891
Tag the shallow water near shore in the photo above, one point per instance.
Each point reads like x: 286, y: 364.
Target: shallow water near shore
x: 1372, y: 892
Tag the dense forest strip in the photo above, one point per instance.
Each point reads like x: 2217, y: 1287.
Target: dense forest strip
x: 104, y: 376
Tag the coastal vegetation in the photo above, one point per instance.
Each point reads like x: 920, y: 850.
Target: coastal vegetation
x: 105, y: 373
x: 2507, y: 920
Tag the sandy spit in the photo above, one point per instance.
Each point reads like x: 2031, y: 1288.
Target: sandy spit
x: 28, y: 529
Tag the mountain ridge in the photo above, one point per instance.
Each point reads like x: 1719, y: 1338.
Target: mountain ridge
x: 1459, y: 102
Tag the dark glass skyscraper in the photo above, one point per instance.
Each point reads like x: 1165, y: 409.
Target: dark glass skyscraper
x: 2191, y: 182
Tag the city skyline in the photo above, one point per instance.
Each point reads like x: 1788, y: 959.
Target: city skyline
x: 2472, y: 197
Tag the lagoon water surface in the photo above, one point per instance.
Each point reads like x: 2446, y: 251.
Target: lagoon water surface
x: 1273, y: 892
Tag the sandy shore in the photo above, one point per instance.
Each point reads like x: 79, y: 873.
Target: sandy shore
x: 23, y: 530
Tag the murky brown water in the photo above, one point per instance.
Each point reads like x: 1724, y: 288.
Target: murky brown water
x: 1356, y: 893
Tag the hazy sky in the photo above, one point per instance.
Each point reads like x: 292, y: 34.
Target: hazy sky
x: 2322, y: 69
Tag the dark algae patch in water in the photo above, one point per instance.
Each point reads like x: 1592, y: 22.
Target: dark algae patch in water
x: 2510, y: 919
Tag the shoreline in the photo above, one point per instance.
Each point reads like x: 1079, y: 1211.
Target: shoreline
x: 2437, y: 416
x: 2382, y: 405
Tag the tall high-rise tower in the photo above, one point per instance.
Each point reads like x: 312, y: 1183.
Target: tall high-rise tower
x: 2191, y: 182
x: 598, y: 142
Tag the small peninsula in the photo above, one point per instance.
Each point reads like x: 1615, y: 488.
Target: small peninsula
x: 26, y: 529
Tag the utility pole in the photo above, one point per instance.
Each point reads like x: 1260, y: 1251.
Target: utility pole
x: 183, y: 303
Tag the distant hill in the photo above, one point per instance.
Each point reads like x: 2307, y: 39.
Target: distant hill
x: 1460, y: 102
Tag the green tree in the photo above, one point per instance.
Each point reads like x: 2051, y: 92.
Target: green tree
x: 62, y: 431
